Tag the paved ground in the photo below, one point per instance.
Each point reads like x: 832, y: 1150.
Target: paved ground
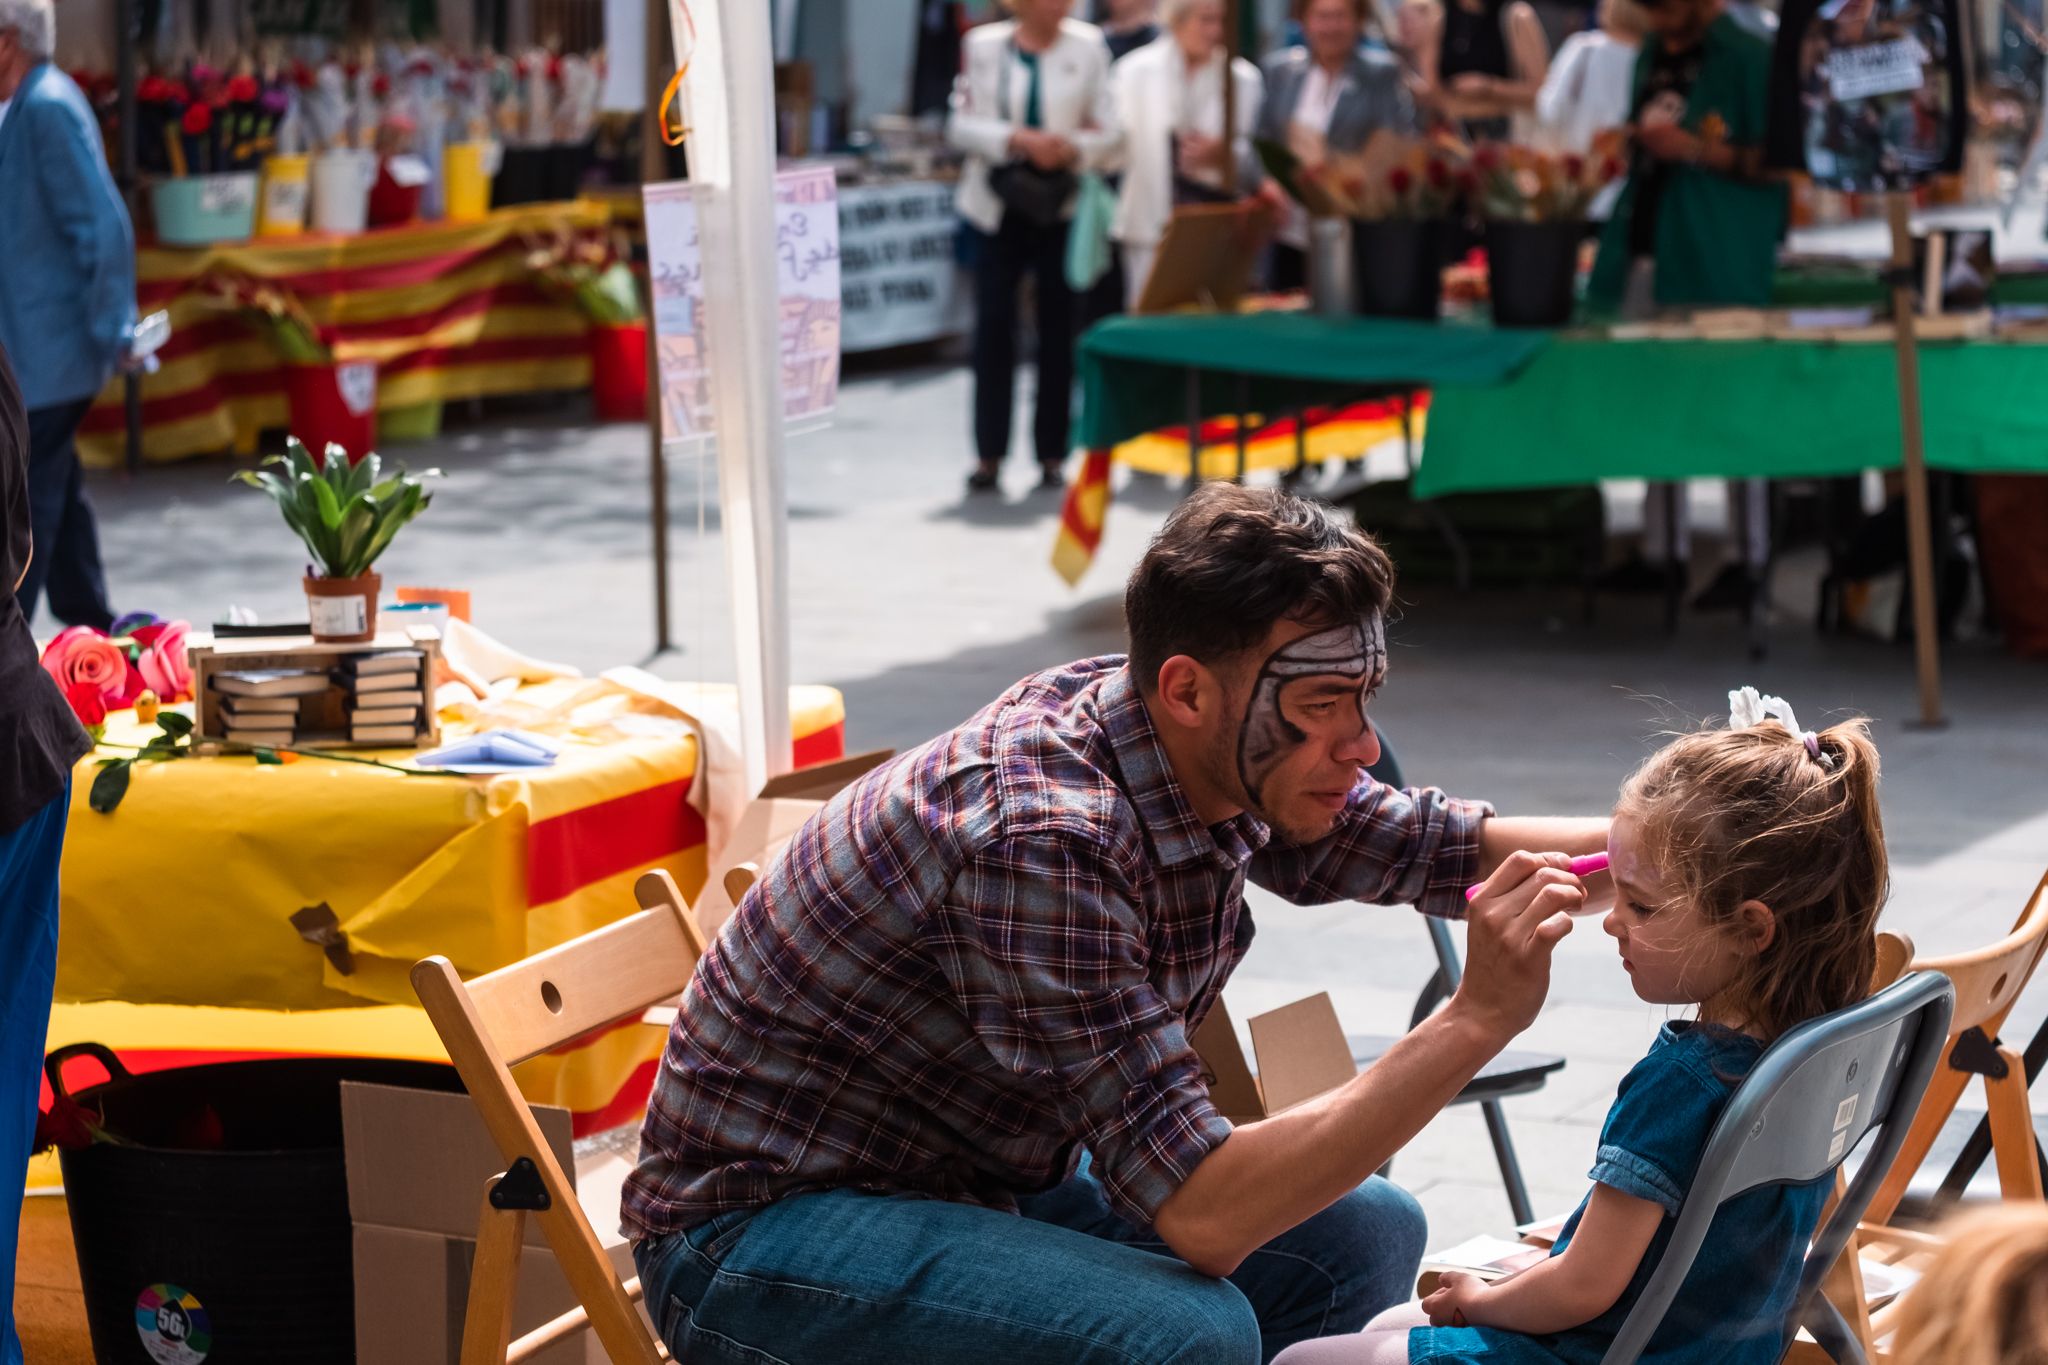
x: 920, y: 606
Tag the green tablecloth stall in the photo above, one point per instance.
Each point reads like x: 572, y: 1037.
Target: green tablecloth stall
x: 1518, y: 409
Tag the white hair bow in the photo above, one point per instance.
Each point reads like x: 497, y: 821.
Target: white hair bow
x: 1748, y: 707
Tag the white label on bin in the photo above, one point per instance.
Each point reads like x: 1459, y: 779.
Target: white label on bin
x: 1845, y: 1112
x: 173, y: 1325
x: 358, y: 384
x: 339, y: 615
x: 227, y: 194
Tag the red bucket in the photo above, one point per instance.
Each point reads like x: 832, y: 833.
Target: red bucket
x: 618, y: 371
x: 335, y: 403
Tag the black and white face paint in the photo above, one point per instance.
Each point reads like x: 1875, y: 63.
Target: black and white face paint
x: 1275, y: 723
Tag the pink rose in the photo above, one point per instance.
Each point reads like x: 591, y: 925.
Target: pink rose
x: 81, y: 655
x: 164, y: 666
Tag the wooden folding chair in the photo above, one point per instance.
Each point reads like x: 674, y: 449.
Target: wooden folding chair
x: 518, y: 1012
x: 1987, y: 982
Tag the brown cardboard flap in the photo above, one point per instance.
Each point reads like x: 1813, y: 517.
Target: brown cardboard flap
x: 1302, y: 1052
x: 823, y: 781
x: 1232, y: 1087
x: 772, y: 819
x: 418, y: 1160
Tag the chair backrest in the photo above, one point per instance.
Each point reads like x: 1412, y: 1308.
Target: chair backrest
x: 498, y: 1020
x: 1989, y: 979
x: 1812, y: 1097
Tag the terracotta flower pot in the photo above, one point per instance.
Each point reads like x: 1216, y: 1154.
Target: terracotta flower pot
x: 343, y: 610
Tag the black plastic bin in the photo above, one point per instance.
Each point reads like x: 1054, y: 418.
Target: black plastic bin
x: 239, y: 1254
x: 1531, y: 270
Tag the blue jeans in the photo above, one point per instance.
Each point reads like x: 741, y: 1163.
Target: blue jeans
x: 29, y: 856
x: 847, y: 1279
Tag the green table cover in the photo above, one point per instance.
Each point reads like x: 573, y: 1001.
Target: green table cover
x: 1134, y: 370
x: 1846, y: 286
x: 1589, y: 409
x: 1517, y: 409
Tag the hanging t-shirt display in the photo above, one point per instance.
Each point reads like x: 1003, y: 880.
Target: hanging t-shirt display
x: 1868, y: 95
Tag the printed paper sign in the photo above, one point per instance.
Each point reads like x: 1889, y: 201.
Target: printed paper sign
x: 1868, y: 95
x: 807, y: 253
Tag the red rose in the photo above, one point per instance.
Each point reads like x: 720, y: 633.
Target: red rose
x: 197, y: 119
x: 1400, y: 180
x: 1437, y: 173
x: 302, y: 75
x: 554, y: 68
x: 1468, y: 182
x: 1487, y: 157
x: 1611, y: 168
x: 1574, y: 167
x: 88, y: 703
x: 177, y: 92
x: 242, y: 90
x: 202, y: 74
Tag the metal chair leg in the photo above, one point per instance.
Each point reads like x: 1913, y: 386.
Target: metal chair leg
x: 1449, y: 973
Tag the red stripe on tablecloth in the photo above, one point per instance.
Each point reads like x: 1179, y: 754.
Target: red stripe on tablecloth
x: 579, y: 847
x: 625, y: 1106
x: 821, y: 746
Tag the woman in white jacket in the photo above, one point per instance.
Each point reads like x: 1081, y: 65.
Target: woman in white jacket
x: 1031, y: 107
x: 1169, y: 103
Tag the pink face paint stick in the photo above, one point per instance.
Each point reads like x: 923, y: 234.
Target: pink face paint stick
x: 1583, y: 866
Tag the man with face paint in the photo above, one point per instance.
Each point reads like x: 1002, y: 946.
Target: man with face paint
x: 965, y: 994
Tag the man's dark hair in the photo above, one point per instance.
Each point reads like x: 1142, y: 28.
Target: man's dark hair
x: 1231, y: 561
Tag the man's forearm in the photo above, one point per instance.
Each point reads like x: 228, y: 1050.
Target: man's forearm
x: 1504, y: 834
x: 1270, y: 1176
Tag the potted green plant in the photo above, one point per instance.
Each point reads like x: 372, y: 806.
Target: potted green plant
x: 346, y: 514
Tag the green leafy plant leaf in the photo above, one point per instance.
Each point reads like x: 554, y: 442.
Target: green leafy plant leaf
x: 268, y: 757
x: 110, y: 786
x: 345, y: 515
x: 174, y: 723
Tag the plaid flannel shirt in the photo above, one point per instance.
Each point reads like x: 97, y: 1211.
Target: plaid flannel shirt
x: 989, y: 954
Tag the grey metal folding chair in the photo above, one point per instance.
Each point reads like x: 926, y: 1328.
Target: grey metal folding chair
x: 1813, y: 1097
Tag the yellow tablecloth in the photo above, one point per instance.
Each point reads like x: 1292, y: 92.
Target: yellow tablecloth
x: 176, y: 945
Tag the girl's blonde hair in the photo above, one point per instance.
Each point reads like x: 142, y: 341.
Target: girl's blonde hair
x: 1728, y: 816
x: 1984, y: 1298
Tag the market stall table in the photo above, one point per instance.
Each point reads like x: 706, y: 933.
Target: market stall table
x: 446, y: 310
x: 178, y: 945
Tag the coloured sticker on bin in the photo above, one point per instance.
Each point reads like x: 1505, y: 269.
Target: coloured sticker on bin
x: 174, y: 1327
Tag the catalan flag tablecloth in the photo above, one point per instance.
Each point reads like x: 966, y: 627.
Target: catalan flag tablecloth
x: 447, y: 310
x: 177, y: 946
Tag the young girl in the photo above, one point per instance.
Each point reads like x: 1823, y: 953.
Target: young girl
x: 1749, y: 868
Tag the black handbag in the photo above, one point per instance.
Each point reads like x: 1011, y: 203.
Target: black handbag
x: 1038, y: 196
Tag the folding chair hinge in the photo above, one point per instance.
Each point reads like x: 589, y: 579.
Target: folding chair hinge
x: 520, y: 1188
x: 1977, y: 1055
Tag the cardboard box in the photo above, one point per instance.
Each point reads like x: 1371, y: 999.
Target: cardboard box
x: 1301, y: 1050
x: 772, y: 819
x: 417, y: 1163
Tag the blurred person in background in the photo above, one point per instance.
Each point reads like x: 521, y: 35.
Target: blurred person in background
x: 1697, y: 225
x: 1983, y: 1299
x: 42, y: 739
x: 1328, y: 95
x: 1128, y: 25
x: 1031, y: 108
x: 67, y: 299
x: 1591, y: 86
x: 1478, y: 64
x: 1169, y: 102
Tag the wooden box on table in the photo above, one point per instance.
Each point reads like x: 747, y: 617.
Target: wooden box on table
x: 318, y: 720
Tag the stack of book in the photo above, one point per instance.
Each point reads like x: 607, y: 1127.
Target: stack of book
x: 383, y: 695
x: 261, y: 705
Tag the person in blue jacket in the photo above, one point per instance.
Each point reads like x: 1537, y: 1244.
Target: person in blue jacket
x: 67, y: 299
